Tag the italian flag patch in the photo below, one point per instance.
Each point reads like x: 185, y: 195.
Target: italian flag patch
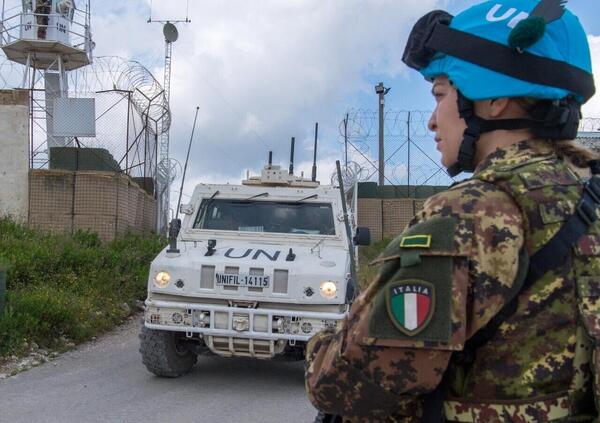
x: 410, y: 305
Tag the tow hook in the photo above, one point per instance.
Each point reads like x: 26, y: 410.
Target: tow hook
x: 241, y: 323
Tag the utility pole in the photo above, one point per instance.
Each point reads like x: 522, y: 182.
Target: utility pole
x: 381, y: 91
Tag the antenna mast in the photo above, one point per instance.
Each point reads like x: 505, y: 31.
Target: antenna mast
x: 164, y: 168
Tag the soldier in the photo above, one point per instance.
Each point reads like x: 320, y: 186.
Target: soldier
x: 487, y: 308
x: 42, y: 10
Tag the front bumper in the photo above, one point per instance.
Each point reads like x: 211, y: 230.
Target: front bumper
x: 238, y: 322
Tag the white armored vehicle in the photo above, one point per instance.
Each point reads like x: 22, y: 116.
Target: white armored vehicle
x: 255, y: 270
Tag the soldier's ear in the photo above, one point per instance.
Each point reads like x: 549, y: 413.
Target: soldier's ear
x: 492, y: 109
x: 498, y: 107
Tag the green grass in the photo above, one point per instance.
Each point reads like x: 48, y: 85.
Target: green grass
x: 63, y: 287
x: 367, y: 273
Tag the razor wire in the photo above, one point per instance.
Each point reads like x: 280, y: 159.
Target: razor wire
x: 590, y: 125
x: 407, y: 159
x: 113, y: 72
x: 589, y: 133
x: 131, y: 111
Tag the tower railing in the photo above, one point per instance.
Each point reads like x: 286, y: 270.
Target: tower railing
x: 70, y: 30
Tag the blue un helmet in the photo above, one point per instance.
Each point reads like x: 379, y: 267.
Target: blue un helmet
x: 508, y: 48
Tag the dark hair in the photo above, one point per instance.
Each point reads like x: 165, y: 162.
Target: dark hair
x: 577, y: 154
x: 572, y: 150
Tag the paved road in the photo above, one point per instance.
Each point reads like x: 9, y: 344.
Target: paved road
x: 104, y: 381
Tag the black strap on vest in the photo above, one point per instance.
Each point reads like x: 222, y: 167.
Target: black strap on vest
x: 327, y: 418
x: 550, y: 256
x: 433, y: 403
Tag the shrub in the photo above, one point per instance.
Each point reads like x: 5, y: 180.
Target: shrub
x: 366, y: 254
x: 68, y: 286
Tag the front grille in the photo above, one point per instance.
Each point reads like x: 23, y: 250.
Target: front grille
x: 207, y: 277
x: 232, y: 270
x: 255, y: 271
x: 280, y: 281
x: 242, y: 346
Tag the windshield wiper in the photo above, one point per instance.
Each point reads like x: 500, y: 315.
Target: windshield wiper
x: 317, y: 247
x: 203, y: 211
x: 308, y: 198
x: 264, y: 194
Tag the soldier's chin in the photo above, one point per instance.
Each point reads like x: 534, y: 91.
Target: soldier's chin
x: 447, y: 162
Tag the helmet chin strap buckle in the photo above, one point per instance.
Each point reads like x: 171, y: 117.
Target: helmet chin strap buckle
x: 454, y: 170
x: 466, y: 153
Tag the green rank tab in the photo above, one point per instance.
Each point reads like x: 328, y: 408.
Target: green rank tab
x: 416, y: 241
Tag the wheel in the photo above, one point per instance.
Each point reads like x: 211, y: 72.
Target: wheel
x: 164, y: 354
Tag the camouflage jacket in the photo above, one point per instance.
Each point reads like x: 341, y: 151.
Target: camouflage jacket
x: 442, y: 280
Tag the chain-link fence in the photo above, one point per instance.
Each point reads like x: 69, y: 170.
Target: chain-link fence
x: 409, y: 156
x: 126, y: 109
x: 590, y: 125
x: 589, y: 133
x: 125, y: 141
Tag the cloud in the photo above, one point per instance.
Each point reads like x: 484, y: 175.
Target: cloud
x: 261, y: 72
x: 592, y: 108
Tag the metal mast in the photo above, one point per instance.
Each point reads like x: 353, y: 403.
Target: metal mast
x: 164, y: 168
x: 164, y: 177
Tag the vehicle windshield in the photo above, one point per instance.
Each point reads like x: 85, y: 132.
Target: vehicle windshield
x: 265, y: 216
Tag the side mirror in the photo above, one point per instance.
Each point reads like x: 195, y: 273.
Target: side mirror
x: 363, y: 236
x: 186, y: 209
x: 174, y: 228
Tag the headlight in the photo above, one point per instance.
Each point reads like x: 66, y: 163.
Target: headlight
x: 328, y: 289
x: 162, y: 279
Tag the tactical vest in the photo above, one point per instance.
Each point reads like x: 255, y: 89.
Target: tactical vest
x: 548, y: 194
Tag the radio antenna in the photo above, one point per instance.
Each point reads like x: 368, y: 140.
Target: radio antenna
x: 186, y: 20
x: 186, y: 162
x: 314, y: 168
x: 291, y: 171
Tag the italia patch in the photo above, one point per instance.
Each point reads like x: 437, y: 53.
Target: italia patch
x: 410, y: 305
x: 416, y: 241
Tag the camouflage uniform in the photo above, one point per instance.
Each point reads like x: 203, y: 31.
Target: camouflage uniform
x: 534, y: 369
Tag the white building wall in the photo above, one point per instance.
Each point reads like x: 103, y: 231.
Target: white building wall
x: 14, y: 154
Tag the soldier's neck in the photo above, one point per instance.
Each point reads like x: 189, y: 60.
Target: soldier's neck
x: 491, y: 141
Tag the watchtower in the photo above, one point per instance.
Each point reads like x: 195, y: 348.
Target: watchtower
x: 51, y: 37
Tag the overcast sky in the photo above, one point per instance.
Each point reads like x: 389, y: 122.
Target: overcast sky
x: 262, y: 71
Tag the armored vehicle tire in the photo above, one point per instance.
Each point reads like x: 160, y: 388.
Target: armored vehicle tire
x: 163, y: 354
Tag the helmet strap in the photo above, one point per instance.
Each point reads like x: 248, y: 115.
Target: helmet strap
x: 466, y: 152
x: 553, y: 120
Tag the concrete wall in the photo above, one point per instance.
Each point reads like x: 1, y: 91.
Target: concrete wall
x: 14, y: 154
x: 107, y: 203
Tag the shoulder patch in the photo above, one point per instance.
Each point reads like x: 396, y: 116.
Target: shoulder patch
x: 415, y: 303
x: 410, y: 305
x: 416, y: 241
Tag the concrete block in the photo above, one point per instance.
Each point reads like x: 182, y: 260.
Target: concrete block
x: 14, y: 154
